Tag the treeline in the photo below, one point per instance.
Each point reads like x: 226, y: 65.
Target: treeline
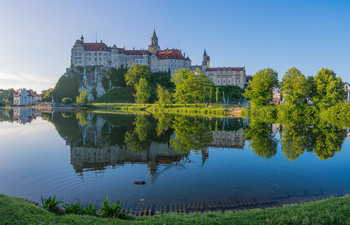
x: 6, y: 96
x: 325, y: 89
x: 184, y: 87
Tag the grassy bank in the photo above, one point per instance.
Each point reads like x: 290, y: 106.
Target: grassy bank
x: 330, y: 211
x: 189, y: 109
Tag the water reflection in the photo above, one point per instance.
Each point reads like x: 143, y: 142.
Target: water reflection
x: 222, y: 151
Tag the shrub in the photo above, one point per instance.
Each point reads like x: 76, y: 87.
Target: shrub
x: 74, y: 208
x: 114, y: 210
x: 90, y: 210
x: 82, y: 99
x: 51, y: 205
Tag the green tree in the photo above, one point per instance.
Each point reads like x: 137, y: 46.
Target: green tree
x: 295, y: 86
x: 260, y: 88
x: 164, y: 97
x: 329, y: 88
x: 217, y: 95
x: 135, y: 73
x: 82, y: 99
x: 117, y: 76
x: 191, y: 86
x: 138, y: 139
x: 142, y: 91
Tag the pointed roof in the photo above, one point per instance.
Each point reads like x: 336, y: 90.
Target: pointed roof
x: 154, y: 33
x: 205, y: 52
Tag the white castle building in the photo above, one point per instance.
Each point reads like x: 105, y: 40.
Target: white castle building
x: 222, y: 76
x: 99, y: 54
x: 92, y: 54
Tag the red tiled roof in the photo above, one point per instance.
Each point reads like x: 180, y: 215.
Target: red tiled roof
x: 226, y: 69
x: 136, y: 52
x: 170, y: 54
x: 187, y: 58
x: 96, y: 46
x: 29, y: 93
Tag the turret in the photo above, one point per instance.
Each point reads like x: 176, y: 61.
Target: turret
x: 82, y: 39
x: 206, y: 59
x: 154, y: 47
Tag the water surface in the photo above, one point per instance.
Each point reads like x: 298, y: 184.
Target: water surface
x: 188, y: 164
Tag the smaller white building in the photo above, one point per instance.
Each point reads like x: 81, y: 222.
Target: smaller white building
x: 23, y: 97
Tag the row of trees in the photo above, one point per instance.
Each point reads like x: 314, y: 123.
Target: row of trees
x: 323, y: 89
x: 186, y: 86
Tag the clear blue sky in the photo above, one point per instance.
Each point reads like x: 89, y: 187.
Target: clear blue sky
x: 36, y: 36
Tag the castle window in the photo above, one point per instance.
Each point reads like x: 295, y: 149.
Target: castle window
x: 76, y: 54
x: 100, y: 53
x: 140, y: 61
x: 99, y: 59
x: 89, y: 53
x: 95, y: 59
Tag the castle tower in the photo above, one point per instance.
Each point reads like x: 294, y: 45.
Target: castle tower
x: 154, y: 47
x: 82, y: 39
x: 206, y: 59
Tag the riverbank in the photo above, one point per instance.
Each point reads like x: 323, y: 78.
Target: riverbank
x: 330, y: 211
x: 189, y: 109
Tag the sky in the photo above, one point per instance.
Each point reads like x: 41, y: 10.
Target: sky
x: 36, y: 36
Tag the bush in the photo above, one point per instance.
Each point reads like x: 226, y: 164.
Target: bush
x: 66, y: 101
x: 51, y: 205
x: 114, y: 210
x: 90, y: 210
x: 74, y: 208
x: 82, y: 99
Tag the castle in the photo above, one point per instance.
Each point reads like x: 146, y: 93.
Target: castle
x: 99, y: 54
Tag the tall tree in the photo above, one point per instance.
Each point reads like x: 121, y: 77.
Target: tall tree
x: 164, y: 97
x: 295, y: 86
x: 260, y: 88
x: 82, y: 99
x: 329, y: 88
x: 135, y: 73
x: 191, y: 86
x: 142, y: 91
x: 217, y: 94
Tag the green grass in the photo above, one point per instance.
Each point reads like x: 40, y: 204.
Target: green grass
x: 330, y: 211
x: 121, y: 95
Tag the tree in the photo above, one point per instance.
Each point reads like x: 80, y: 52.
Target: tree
x: 191, y: 86
x: 329, y: 88
x: 82, y: 99
x: 135, y: 73
x: 260, y: 88
x: 142, y: 91
x: 217, y: 94
x: 294, y: 87
x: 94, y: 93
x: 164, y: 97
x: 117, y: 76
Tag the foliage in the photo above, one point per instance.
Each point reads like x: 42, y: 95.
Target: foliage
x: 190, y: 135
x: 6, y: 96
x: 260, y: 88
x: 138, y: 139
x: 81, y: 117
x: 73, y: 208
x: 117, y: 76
x: 82, y: 99
x: 67, y: 101
x: 114, y: 210
x: 105, y: 84
x: 94, y: 93
x: 66, y: 87
x: 329, y: 88
x: 164, y: 97
x: 120, y: 95
x: 329, y: 211
x: 90, y: 210
x: 142, y: 91
x: 260, y: 139
x: 191, y: 86
x: 294, y: 87
x: 217, y: 95
x: 161, y: 78
x: 51, y: 205
x: 135, y: 73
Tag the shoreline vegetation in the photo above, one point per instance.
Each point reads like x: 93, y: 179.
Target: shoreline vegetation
x: 213, y: 110
x: 334, y: 210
